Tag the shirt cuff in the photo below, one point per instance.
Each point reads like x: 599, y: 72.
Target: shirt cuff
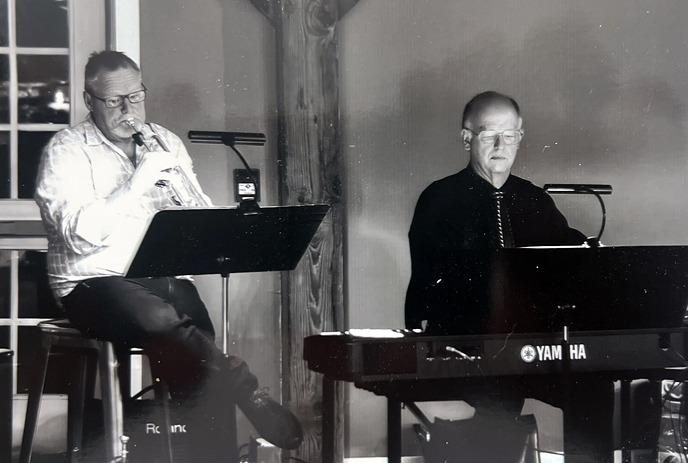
x: 95, y: 222
x: 91, y: 223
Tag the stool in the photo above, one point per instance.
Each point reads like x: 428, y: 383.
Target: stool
x: 6, y: 357
x: 61, y: 336
x: 423, y: 430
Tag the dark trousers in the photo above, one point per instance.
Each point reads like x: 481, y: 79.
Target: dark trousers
x: 165, y: 317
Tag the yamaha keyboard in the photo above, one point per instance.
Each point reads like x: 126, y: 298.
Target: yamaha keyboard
x: 622, y: 307
x: 407, y: 366
x: 369, y: 356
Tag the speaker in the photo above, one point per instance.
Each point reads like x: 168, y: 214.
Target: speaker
x: 198, y: 433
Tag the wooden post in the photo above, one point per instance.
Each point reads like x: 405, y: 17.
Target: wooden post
x: 310, y: 172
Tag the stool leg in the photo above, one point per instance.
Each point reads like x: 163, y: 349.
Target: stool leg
x: 75, y: 410
x: 112, y: 401
x: 393, y: 431
x: 91, y: 373
x: 163, y: 392
x: 232, y: 444
x: 124, y: 372
x: 533, y: 455
x: 33, y: 405
x: 624, y: 416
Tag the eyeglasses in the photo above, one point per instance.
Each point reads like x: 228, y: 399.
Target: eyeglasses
x: 510, y: 137
x: 117, y: 100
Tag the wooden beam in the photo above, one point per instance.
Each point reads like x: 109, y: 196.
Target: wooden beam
x: 268, y: 8
x: 345, y: 6
x: 311, y: 172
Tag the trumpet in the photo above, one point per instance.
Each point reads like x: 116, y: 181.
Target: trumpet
x: 181, y: 190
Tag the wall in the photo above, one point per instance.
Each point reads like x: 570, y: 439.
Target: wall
x: 209, y: 66
x: 601, y: 85
x: 603, y: 90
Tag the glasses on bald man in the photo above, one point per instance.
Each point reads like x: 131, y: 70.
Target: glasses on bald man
x: 117, y: 100
x: 489, y: 137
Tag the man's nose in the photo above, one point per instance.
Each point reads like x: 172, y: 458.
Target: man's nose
x: 126, y: 106
x: 498, y: 141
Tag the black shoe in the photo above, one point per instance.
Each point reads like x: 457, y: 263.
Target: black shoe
x: 273, y: 422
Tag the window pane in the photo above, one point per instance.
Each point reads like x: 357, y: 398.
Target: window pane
x: 59, y: 367
x: 35, y: 298
x: 5, y: 259
x: 4, y: 89
x: 30, y: 147
x: 5, y: 337
x: 43, y: 88
x: 42, y: 23
x: 3, y: 24
x: 4, y: 165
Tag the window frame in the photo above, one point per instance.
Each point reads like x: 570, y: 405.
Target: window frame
x: 84, y: 37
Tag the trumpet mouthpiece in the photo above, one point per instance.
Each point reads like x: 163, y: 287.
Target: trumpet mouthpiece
x: 137, y: 136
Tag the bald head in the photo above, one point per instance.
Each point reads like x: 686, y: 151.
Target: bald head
x: 482, y: 102
x: 492, y: 131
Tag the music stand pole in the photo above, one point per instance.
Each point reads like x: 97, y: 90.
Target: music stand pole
x: 225, y: 313
x: 230, y: 139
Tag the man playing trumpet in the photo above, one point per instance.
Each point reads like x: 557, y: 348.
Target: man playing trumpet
x: 96, y: 189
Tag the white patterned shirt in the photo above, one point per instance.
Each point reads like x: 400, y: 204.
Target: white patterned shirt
x: 80, y: 168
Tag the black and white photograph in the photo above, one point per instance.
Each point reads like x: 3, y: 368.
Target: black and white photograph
x: 343, y: 231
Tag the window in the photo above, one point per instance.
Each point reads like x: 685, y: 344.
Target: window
x: 44, y: 45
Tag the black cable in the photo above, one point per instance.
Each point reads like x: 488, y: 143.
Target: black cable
x: 596, y: 190
x: 250, y: 172
x: 604, y: 213
x: 604, y: 216
x: 143, y: 391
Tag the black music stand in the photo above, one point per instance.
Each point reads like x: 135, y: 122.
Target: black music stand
x: 224, y: 240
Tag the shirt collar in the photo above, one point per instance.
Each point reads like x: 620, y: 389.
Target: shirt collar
x: 94, y: 137
x: 480, y: 182
x: 92, y: 134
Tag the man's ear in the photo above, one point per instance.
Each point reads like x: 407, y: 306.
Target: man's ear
x: 88, y: 101
x: 466, y: 137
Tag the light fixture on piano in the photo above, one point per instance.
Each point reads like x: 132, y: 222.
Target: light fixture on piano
x: 584, y: 189
x: 248, y: 182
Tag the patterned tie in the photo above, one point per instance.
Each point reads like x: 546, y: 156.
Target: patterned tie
x: 504, y: 237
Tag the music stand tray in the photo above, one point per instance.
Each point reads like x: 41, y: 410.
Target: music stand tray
x: 225, y: 240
